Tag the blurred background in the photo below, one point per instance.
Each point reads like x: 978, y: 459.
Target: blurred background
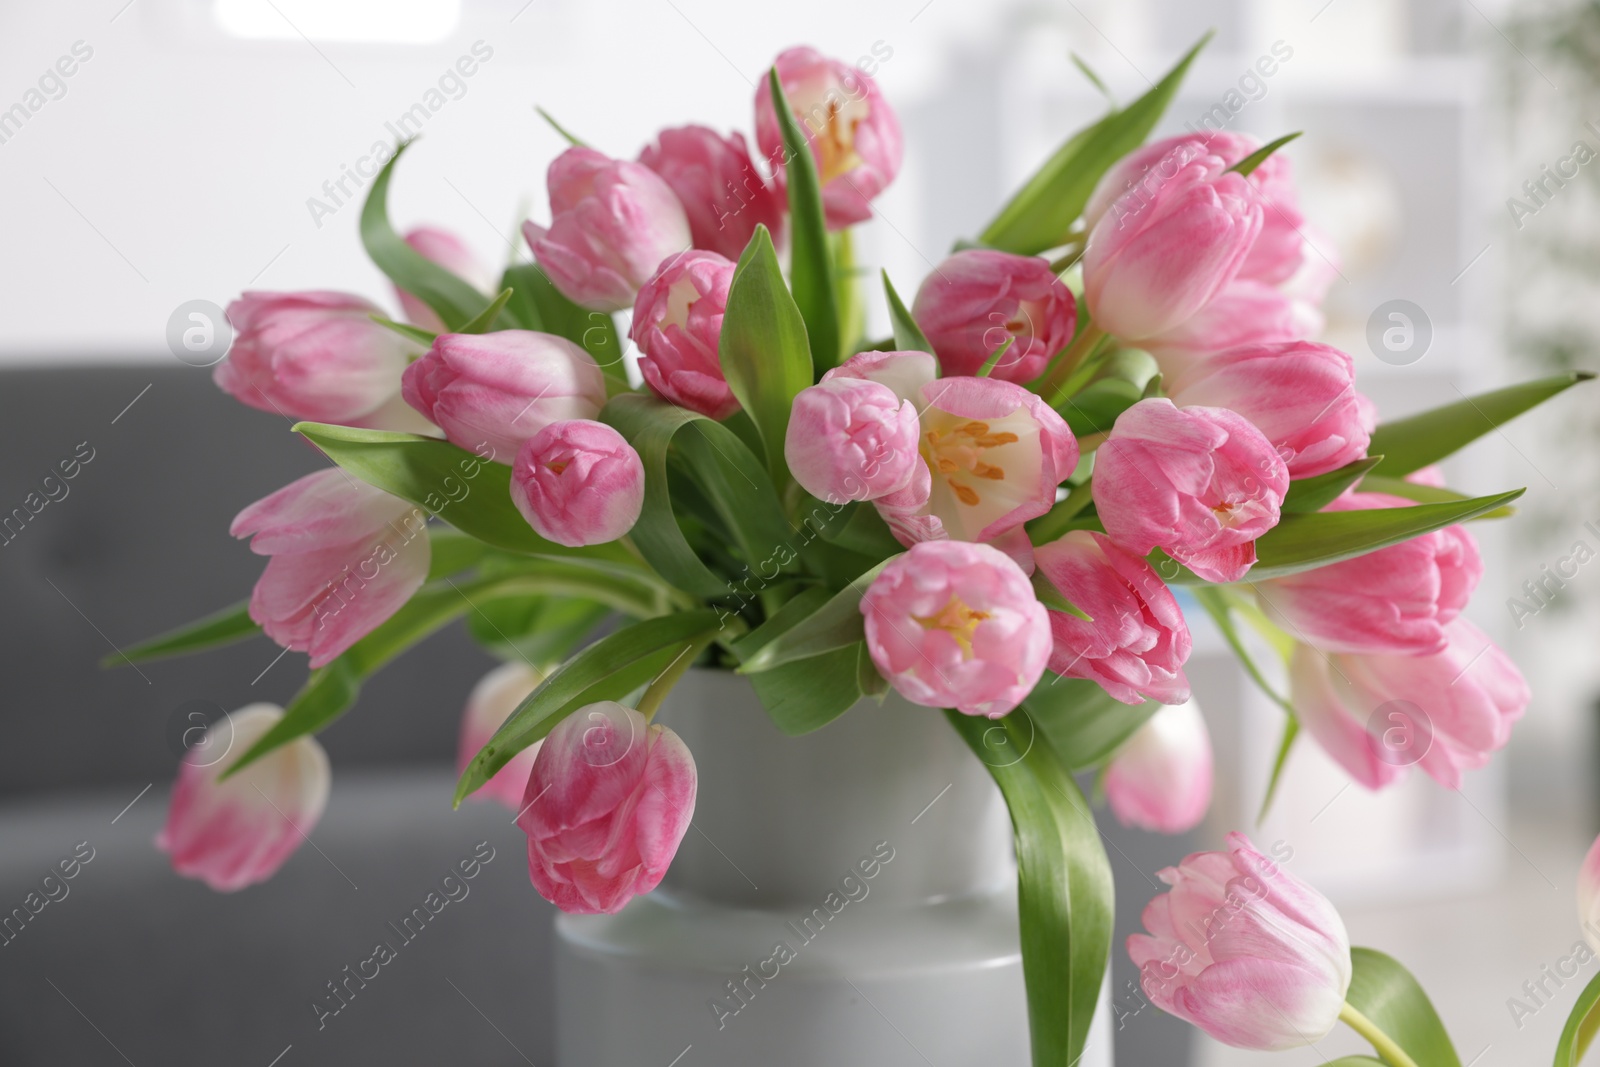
x: 203, y: 147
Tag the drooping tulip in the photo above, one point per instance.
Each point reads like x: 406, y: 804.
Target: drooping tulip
x: 677, y: 324
x: 607, y: 804
x: 236, y: 833
x: 490, y: 704
x: 578, y: 482
x: 345, y: 557
x: 851, y: 439
x: 978, y: 299
x: 723, y: 195
x: 454, y: 255
x: 1160, y: 779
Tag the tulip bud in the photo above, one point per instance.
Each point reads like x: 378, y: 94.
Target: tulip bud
x: 1245, y: 312
x: 1160, y: 779
x: 677, y: 324
x: 613, y: 222
x: 491, y: 703
x: 851, y: 439
x: 1244, y: 950
x: 490, y: 392
x: 854, y: 135
x: 1201, y: 483
x: 978, y: 299
x: 239, y: 832
x: 450, y: 252
x: 578, y: 483
x: 311, y: 355
x: 953, y: 624
x: 723, y: 195
x: 345, y: 557
x: 607, y: 804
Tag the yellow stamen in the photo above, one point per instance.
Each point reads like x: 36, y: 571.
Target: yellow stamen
x: 957, y: 620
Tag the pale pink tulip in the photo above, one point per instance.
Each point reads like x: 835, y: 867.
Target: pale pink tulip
x: 1245, y: 312
x: 1396, y: 600
x: 677, y: 324
x: 1138, y: 642
x: 491, y: 392
x: 452, y: 253
x: 978, y: 299
x: 1160, y: 779
x: 1589, y: 895
x: 1201, y: 483
x: 237, y: 833
x: 312, y: 355
x: 851, y: 439
x: 607, y: 804
x: 345, y: 557
x: 722, y: 193
x: 1244, y: 950
x: 1378, y: 713
x: 490, y: 704
x: 578, y: 482
x: 1300, y: 394
x: 613, y: 222
x: 854, y: 134
x: 952, y: 624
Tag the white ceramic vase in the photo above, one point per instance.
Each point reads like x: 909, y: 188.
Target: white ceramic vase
x: 847, y: 897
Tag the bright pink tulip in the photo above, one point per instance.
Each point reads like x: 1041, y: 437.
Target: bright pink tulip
x: 490, y: 704
x: 1245, y: 312
x: 1158, y: 256
x: 239, y: 832
x: 953, y: 624
x: 451, y: 253
x: 578, y: 482
x: 677, y: 324
x: 609, y: 799
x: 1377, y: 714
x: 613, y: 222
x: 978, y: 299
x: 1244, y: 950
x: 1396, y: 600
x: 1138, y: 642
x: 1300, y: 394
x: 1160, y: 779
x: 1201, y: 483
x: 345, y: 557
x: 851, y: 439
x: 723, y: 194
x: 490, y: 392
x: 1589, y: 896
x: 312, y: 355
x: 854, y: 135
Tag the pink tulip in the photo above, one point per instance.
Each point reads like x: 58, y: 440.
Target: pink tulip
x: 854, y: 135
x: 1245, y: 312
x: 978, y: 299
x: 1378, y: 713
x: 239, y: 832
x: 851, y: 439
x: 956, y: 624
x: 345, y: 557
x: 1397, y: 600
x: 613, y: 222
x: 607, y: 804
x: 1300, y: 394
x: 578, y: 482
x: 1161, y: 254
x: 312, y: 355
x: 491, y: 703
x: 1160, y: 779
x: 1589, y: 896
x: 722, y: 193
x: 450, y: 252
x: 677, y: 324
x: 491, y: 392
x: 1244, y: 950
x: 1138, y: 642
x: 1201, y: 483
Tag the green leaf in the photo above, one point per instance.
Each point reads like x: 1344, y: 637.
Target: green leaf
x: 1582, y: 1022
x: 808, y: 694
x: 1424, y: 494
x: 1085, y: 724
x: 856, y: 527
x: 990, y: 363
x: 215, y: 630
x: 1386, y: 993
x: 453, y: 300
x: 452, y: 552
x: 763, y: 347
x: 483, y: 320
x: 1313, y: 494
x: 1412, y: 443
x: 1064, y: 890
x: 609, y: 669
x: 1094, y: 409
x: 835, y: 624
x: 1052, y: 598
x: 536, y: 304
x: 810, y: 267
x: 1248, y: 164
x: 406, y: 330
x: 1042, y: 212
x: 540, y: 631
x: 1291, y: 730
x: 1217, y: 605
x: 908, y: 335
x: 562, y: 130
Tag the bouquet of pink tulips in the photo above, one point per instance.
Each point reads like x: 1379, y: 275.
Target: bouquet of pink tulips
x: 1109, y: 393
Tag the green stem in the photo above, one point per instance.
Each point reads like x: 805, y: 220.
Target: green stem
x: 1056, y: 377
x: 1392, y: 1053
x: 662, y: 684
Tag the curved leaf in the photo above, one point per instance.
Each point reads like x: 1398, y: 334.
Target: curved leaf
x: 832, y: 625
x: 810, y: 264
x: 1084, y: 722
x: 215, y: 630
x: 536, y: 304
x: 1578, y: 1033
x: 1424, y: 494
x: 1385, y: 992
x: 908, y: 336
x: 1314, y: 494
x: 1247, y: 166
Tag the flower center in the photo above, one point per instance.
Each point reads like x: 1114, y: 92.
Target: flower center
x: 957, y: 620
x: 957, y: 453
x: 831, y: 122
x: 557, y: 466
x: 681, y: 294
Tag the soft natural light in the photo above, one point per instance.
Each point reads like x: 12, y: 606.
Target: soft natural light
x: 389, y: 21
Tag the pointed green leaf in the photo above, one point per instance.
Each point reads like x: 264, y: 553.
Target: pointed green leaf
x: 807, y: 694
x: 562, y: 130
x: 1424, y: 494
x: 810, y: 265
x: 483, y: 321
x: 1386, y: 993
x: 1291, y: 730
x: 908, y: 335
x: 1215, y: 601
x: 1248, y: 164
x: 215, y: 630
x: 406, y: 330
x: 1313, y: 494
x: 1578, y: 1033
x: 835, y: 624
